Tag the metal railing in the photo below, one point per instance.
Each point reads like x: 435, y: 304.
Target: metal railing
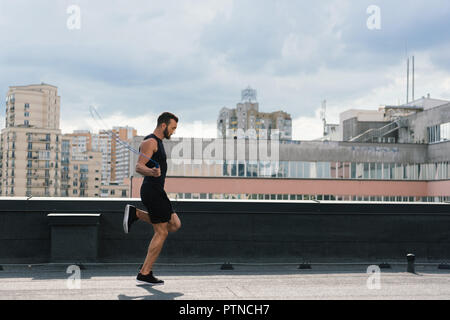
x: 370, y: 134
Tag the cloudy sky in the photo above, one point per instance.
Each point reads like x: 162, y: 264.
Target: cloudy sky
x: 134, y: 59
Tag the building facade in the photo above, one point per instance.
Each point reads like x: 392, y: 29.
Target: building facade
x: 36, y: 160
x: 317, y: 170
x: 80, y: 166
x: 31, y: 142
x: 396, y: 124
x: 120, y: 154
x: 245, y: 121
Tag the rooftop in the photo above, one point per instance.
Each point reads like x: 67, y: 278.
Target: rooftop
x: 208, y: 282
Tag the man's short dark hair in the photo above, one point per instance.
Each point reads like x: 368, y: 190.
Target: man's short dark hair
x: 165, y: 118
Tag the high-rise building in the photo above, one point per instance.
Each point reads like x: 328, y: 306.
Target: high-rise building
x: 120, y: 155
x: 94, y: 163
x: 86, y: 175
x: 102, y: 142
x: 246, y: 121
x: 80, y: 166
x: 37, y: 160
x: 30, y: 142
x: 33, y: 106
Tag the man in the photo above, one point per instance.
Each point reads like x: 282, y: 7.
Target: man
x: 160, y: 213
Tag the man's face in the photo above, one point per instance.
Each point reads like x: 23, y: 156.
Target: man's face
x: 170, y: 129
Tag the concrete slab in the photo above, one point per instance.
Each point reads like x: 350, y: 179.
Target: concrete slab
x: 208, y: 282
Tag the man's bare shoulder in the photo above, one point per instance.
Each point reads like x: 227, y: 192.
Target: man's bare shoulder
x: 150, y: 143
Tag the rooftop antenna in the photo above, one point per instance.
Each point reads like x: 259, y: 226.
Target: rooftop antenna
x: 407, y: 71
x: 407, y: 81
x: 412, y: 78
x: 323, y: 116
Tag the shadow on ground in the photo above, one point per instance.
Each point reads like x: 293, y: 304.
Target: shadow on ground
x: 154, y: 295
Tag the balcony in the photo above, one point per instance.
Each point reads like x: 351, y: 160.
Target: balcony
x: 37, y: 176
x: 38, y: 140
x: 39, y: 185
x: 38, y: 167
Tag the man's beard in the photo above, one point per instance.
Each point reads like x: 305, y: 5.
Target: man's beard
x: 166, y: 134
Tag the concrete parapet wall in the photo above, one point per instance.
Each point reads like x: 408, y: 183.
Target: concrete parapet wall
x: 238, y: 230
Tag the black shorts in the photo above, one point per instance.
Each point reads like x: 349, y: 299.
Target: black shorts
x: 157, y: 203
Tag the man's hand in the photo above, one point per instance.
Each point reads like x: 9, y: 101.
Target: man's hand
x: 155, y: 172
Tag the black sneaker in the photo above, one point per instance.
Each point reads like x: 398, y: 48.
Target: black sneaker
x: 148, y: 279
x: 129, y: 217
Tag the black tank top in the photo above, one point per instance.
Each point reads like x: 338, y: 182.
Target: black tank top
x: 160, y: 157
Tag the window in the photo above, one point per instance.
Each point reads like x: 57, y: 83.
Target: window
x: 378, y: 170
x: 241, y: 169
x: 282, y: 169
x: 300, y: 170
x: 307, y: 170
x: 445, y: 131
x: 366, y: 171
x: 252, y: 169
x: 353, y: 170
x: 439, y: 133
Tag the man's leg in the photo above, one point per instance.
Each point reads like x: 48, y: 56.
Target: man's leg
x: 174, y: 223
x: 155, y: 247
x: 143, y: 215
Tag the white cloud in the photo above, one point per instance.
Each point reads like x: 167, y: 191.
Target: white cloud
x: 307, y: 128
x: 193, y: 57
x: 144, y: 124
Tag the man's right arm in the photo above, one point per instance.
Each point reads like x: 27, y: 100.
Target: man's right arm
x: 148, y: 147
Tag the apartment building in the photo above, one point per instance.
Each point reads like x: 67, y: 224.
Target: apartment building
x: 95, y: 165
x: 114, y: 190
x: 102, y: 142
x: 30, y: 142
x: 120, y: 155
x: 80, y: 166
x: 85, y: 172
x: 247, y: 121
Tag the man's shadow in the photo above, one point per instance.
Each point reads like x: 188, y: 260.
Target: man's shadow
x: 155, y: 295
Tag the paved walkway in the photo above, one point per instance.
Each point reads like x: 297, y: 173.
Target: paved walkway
x: 208, y: 282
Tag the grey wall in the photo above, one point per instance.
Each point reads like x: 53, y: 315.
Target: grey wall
x: 307, y: 151
x: 439, y: 152
x: 244, y: 231
x: 419, y: 123
x: 352, y: 127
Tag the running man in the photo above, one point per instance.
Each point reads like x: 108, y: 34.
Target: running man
x: 160, y: 213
